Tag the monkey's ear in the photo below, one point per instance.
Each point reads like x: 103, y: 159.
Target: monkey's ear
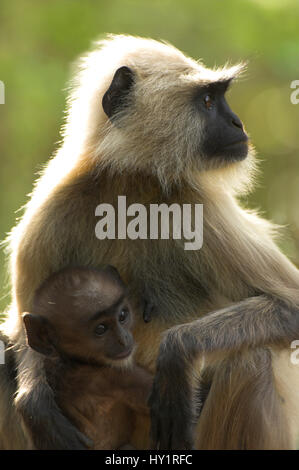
x: 38, y: 333
x: 115, y: 96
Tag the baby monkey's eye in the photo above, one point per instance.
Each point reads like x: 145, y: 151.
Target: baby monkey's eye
x: 123, y: 315
x: 100, y: 330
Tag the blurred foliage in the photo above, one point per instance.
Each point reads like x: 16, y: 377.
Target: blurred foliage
x: 40, y: 39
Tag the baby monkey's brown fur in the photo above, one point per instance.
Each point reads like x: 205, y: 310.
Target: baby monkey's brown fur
x: 81, y: 321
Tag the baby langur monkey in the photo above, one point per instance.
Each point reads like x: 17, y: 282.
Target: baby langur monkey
x: 81, y: 321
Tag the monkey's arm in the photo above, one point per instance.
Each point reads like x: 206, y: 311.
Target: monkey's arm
x: 48, y: 428
x: 246, y: 264
x: 254, y: 322
x: 12, y: 435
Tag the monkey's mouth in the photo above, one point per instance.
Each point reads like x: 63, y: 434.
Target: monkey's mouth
x: 123, y: 354
x: 237, y: 150
x: 238, y: 142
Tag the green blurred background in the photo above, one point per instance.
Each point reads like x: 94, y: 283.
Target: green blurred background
x: 40, y: 39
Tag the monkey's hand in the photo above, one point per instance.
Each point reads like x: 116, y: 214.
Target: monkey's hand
x: 172, y: 403
x: 49, y: 429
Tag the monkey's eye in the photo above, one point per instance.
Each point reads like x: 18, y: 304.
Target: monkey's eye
x: 123, y: 315
x: 100, y: 330
x: 208, y: 100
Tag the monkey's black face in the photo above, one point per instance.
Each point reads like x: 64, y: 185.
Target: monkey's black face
x: 174, y: 126
x: 223, y: 133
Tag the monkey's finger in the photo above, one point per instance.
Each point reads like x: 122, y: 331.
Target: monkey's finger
x: 154, y: 431
x: 154, y: 436
x: 66, y: 436
x: 166, y: 430
x: 182, y: 438
x: 86, y: 441
x: 71, y: 439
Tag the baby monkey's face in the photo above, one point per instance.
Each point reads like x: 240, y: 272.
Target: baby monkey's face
x: 83, y: 315
x: 99, y: 323
x: 111, y: 333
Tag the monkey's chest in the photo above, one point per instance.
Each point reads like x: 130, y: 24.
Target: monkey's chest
x: 84, y: 396
x: 110, y: 425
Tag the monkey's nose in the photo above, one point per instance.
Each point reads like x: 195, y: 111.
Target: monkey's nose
x: 237, y: 122
x: 123, y: 340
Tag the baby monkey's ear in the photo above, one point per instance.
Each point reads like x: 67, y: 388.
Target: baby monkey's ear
x: 38, y: 331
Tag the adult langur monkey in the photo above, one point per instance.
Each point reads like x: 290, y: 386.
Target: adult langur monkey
x: 148, y: 122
